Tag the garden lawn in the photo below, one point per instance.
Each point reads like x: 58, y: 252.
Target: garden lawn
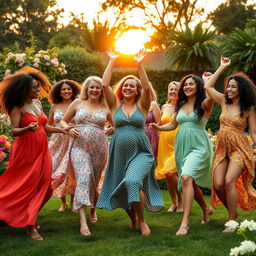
x: 111, y: 235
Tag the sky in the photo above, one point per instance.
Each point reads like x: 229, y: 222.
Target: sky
x: 91, y: 7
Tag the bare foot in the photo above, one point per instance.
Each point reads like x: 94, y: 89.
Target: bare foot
x: 93, y: 215
x: 229, y: 230
x: 172, y: 208
x: 63, y: 207
x: 209, y: 211
x: 84, y: 230
x: 33, y: 234
x: 144, y: 229
x: 179, y: 208
x: 183, y: 230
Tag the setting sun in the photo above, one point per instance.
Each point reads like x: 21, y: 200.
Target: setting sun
x: 131, y: 41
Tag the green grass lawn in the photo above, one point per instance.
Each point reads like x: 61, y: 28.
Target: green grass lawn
x: 111, y: 235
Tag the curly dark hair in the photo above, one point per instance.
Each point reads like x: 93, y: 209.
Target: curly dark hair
x: 54, y: 95
x: 246, y: 92
x: 15, y: 89
x: 200, y: 95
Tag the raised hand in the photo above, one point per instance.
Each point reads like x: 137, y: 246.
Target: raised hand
x: 206, y: 76
x: 225, y: 61
x: 112, y: 55
x: 139, y: 57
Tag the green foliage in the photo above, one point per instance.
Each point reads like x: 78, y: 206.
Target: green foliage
x: 213, y: 122
x: 243, y: 50
x: 232, y: 14
x: 193, y: 50
x: 80, y: 64
x: 19, y: 19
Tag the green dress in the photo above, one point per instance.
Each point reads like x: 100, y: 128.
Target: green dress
x: 130, y: 166
x: 193, y: 149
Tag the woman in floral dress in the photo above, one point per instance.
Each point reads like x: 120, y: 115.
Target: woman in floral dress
x: 90, y: 147
x: 233, y: 163
x: 61, y: 95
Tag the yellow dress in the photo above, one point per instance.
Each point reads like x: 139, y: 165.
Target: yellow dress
x: 165, y: 157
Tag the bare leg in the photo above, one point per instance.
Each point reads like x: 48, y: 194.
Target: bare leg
x: 84, y: 229
x: 200, y: 200
x: 63, y: 204
x: 134, y: 220
x: 219, y: 181
x: 172, y: 186
x: 233, y: 173
x: 139, y: 210
x: 188, y: 197
x: 93, y: 215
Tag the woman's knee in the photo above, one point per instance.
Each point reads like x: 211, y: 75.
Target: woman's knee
x: 186, y: 180
x: 230, y: 184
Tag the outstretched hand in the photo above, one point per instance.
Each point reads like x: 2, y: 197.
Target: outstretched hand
x: 112, y: 55
x: 206, y: 76
x: 154, y: 126
x: 139, y: 57
x: 224, y: 61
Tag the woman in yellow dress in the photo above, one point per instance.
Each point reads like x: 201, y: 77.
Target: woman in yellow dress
x: 166, y: 168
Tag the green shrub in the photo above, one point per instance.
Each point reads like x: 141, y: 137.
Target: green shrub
x: 80, y: 64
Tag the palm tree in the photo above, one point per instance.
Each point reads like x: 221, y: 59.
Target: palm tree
x: 192, y: 50
x: 240, y: 46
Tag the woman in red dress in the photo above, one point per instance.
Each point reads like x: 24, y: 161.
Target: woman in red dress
x: 26, y: 185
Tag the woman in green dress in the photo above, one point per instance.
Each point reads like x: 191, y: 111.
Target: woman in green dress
x: 193, y: 150
x: 129, y: 181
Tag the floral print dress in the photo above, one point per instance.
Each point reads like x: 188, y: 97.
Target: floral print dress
x: 89, y: 155
x: 63, y: 178
x: 233, y: 143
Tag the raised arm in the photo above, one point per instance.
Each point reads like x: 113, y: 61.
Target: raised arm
x: 109, y: 95
x: 145, y: 99
x: 216, y: 96
x: 156, y: 111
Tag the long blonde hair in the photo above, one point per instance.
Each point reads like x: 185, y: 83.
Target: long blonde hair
x: 85, y: 86
x: 177, y: 84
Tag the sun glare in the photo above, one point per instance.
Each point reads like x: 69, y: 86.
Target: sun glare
x: 131, y: 41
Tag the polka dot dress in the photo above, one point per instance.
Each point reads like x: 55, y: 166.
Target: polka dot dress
x: 130, y: 167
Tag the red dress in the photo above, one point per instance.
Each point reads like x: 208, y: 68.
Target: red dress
x: 26, y: 185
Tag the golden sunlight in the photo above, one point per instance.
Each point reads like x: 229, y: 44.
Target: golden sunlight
x: 131, y: 41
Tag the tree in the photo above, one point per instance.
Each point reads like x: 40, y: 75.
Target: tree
x: 162, y: 15
x: 192, y: 50
x: 20, y: 18
x: 243, y: 50
x: 232, y: 14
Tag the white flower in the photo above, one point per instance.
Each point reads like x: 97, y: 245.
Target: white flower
x: 232, y: 224
x: 235, y: 251
x: 55, y: 62
x: 62, y: 65
x: 46, y: 57
x: 60, y: 70
x: 36, y: 65
x: 38, y: 55
x: 64, y: 72
x: 47, y: 63
x: 7, y: 72
x: 36, y: 60
x: 251, y: 225
x: 247, y: 247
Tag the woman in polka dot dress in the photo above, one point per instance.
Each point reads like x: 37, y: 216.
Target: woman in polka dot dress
x: 129, y: 180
